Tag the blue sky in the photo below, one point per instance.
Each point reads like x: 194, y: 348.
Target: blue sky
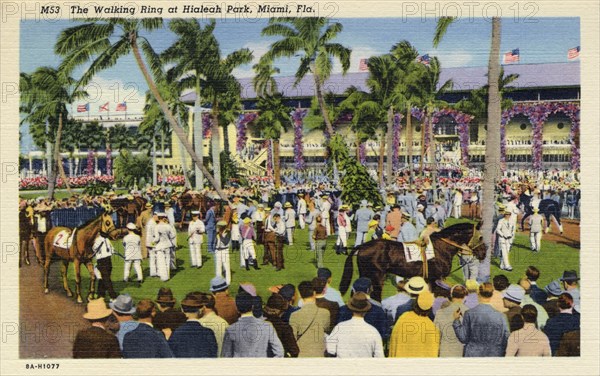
x: 465, y: 44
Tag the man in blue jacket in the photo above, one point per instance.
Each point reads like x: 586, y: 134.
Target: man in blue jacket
x: 145, y: 341
x: 565, y: 321
x: 210, y: 224
x: 375, y: 316
x: 192, y: 340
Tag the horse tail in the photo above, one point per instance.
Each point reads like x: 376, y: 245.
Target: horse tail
x: 348, y: 270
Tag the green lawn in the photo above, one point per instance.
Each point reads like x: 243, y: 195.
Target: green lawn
x: 300, y: 265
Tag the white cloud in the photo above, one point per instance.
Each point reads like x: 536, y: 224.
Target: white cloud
x: 102, y: 90
x: 451, y: 59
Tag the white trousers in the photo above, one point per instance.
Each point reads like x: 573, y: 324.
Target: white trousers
x: 172, y: 258
x: 196, y: 254
x: 152, y: 261
x: 163, y: 257
x: 457, y: 211
x: 248, y: 251
x: 504, y: 245
x: 222, y: 265
x: 342, y: 237
x: 360, y: 236
x: 290, y: 235
x: 325, y: 222
x: 137, y: 266
x: 535, y: 238
x: 301, y: 221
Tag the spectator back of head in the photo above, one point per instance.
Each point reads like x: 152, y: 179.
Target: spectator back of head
x: 501, y: 282
x: 319, y: 285
x: 529, y: 313
x: 532, y: 273
x: 306, y: 289
x: 144, y: 308
x: 486, y: 290
x: 244, y: 302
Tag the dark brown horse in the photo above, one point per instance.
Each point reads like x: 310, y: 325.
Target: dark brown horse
x: 378, y: 257
x: 80, y: 251
x: 190, y: 201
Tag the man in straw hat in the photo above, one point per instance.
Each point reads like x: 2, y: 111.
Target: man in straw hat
x: 145, y: 341
x: 422, y: 340
x: 536, y: 227
x: 408, y: 232
x: 504, y: 233
x: 192, y: 339
x: 289, y: 217
x: 355, y: 338
x: 196, y: 232
x: 96, y: 341
x: 248, y: 253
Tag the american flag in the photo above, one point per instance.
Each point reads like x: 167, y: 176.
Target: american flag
x: 362, y: 65
x: 83, y: 107
x: 104, y: 107
x: 121, y: 106
x: 511, y: 56
x: 573, y: 53
x: 423, y: 59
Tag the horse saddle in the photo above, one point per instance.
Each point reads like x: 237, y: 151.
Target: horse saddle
x: 64, y: 239
x: 414, y: 252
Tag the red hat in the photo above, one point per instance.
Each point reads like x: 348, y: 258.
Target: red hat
x: 389, y: 228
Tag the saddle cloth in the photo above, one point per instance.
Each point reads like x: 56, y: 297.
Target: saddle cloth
x: 64, y: 239
x: 412, y: 252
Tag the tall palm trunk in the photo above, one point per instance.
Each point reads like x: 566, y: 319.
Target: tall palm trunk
x: 215, y: 145
x: 322, y: 104
x: 380, y: 161
x: 409, y: 142
x: 198, y: 135
x: 492, y: 148
x: 50, y: 170
x: 171, y: 119
x: 154, y: 166
x: 432, y: 159
x: 390, y: 147
x: 422, y: 161
x: 184, y: 167
x: 276, y: 166
x: 162, y: 157
x: 57, y: 157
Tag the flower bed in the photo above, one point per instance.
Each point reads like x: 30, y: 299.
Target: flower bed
x: 41, y: 182
x: 174, y: 180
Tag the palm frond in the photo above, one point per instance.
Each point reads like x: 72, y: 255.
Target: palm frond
x: 441, y: 29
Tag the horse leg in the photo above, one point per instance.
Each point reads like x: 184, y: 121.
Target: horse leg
x: 77, y: 266
x: 92, y: 290
x: 38, y: 249
x: 183, y: 212
x: 63, y: 271
x: 47, y: 269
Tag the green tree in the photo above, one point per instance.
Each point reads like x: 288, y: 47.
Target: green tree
x: 93, y: 137
x: 492, y: 170
x: 131, y: 169
x: 191, y: 52
x: 357, y: 184
x: 45, y: 95
x: 311, y: 37
x: 105, y: 41
x: 118, y: 137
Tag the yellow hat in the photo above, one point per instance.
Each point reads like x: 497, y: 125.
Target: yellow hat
x: 373, y: 223
x: 247, y: 220
x: 425, y: 300
x: 471, y: 285
x: 96, y: 310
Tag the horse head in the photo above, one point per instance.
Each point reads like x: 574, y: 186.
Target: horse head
x: 476, y: 243
x: 107, y: 225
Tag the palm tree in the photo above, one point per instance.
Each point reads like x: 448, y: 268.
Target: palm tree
x: 429, y: 92
x: 190, y: 52
x: 118, y: 137
x: 223, y: 91
x: 45, y: 96
x: 110, y: 39
x: 492, y: 167
x: 71, y: 141
x: 309, y: 37
x: 273, y: 121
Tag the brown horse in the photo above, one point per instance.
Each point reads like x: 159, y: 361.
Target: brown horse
x: 80, y: 251
x: 190, y: 201
x: 378, y: 257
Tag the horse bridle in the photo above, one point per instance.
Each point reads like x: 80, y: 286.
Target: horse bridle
x: 467, y: 249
